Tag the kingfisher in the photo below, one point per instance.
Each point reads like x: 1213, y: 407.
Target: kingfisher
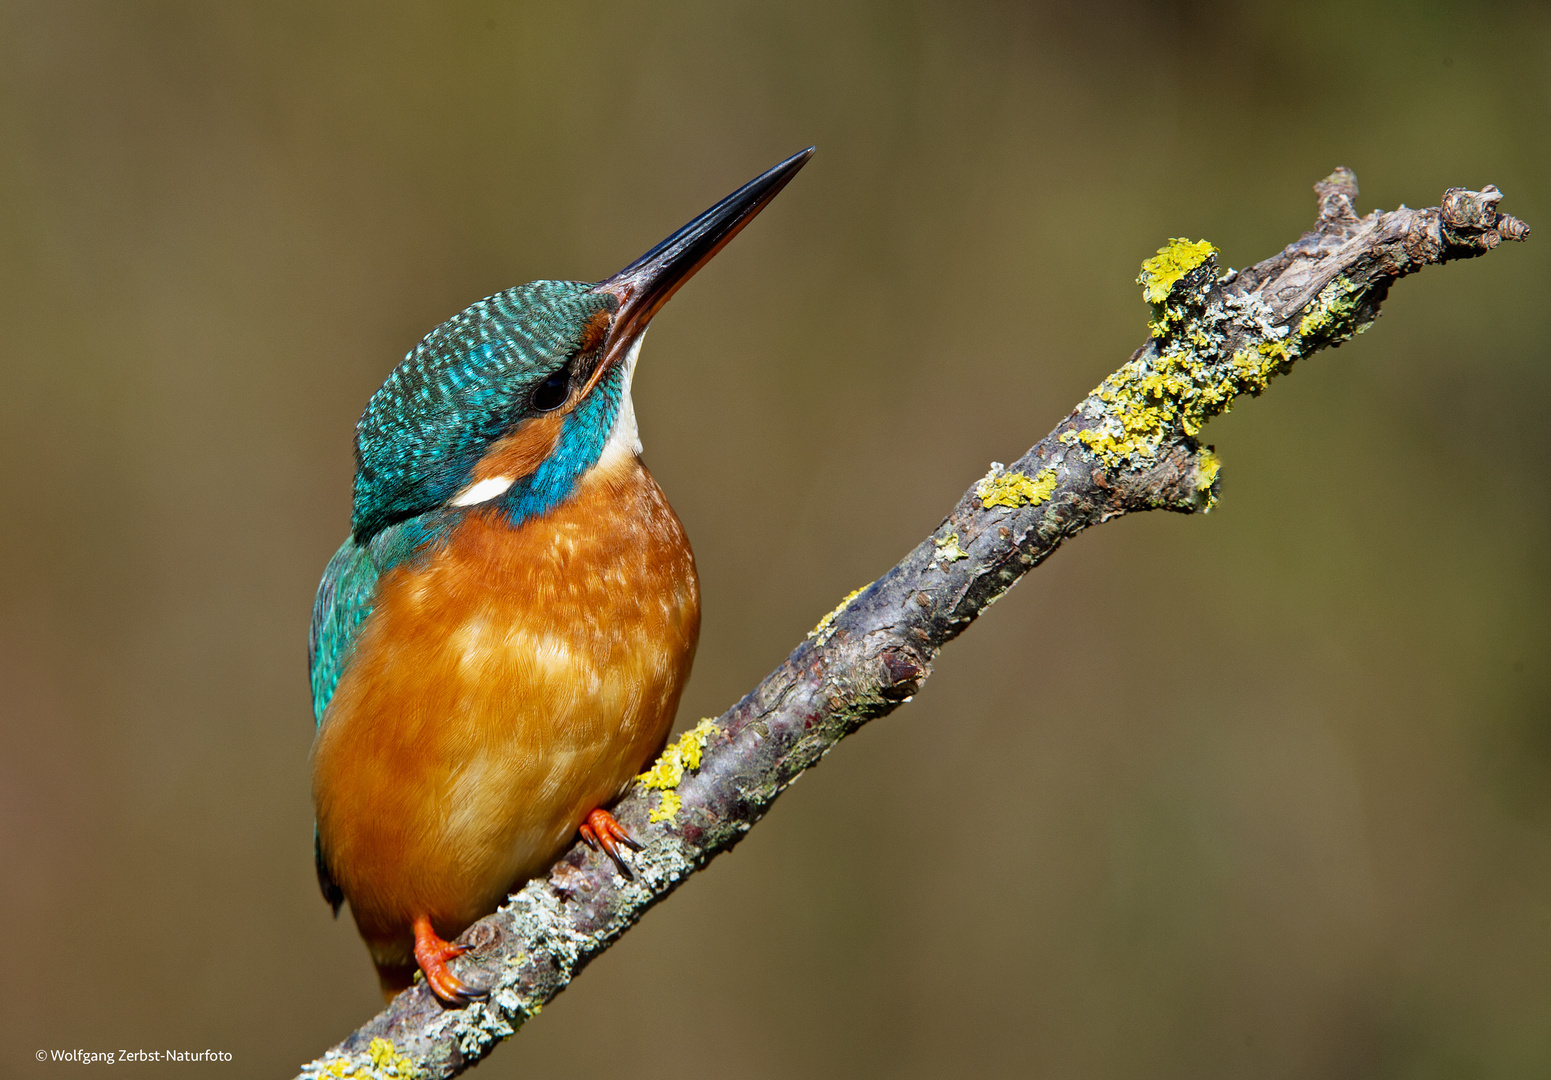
x: 500, y: 645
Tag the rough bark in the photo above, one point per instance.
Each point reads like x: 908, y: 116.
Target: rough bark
x: 1131, y: 445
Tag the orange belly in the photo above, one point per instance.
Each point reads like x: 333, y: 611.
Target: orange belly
x: 498, y: 693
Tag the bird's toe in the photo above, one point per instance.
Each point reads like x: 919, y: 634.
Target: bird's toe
x: 432, y: 954
x: 601, y: 829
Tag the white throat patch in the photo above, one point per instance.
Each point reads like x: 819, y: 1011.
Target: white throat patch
x: 625, y: 438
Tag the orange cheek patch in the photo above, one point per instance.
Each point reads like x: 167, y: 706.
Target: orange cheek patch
x: 593, y: 333
x: 519, y: 453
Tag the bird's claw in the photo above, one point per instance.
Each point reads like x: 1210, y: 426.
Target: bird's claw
x: 432, y: 954
x: 601, y: 829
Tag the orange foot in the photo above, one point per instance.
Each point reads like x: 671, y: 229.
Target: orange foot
x: 432, y: 954
x: 601, y: 830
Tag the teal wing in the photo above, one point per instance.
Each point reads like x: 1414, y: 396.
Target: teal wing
x: 348, y: 589
x: 343, y: 603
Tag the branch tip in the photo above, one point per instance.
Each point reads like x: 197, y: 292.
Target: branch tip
x: 1338, y: 196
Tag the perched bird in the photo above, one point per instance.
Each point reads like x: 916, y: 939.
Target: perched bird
x: 500, y: 645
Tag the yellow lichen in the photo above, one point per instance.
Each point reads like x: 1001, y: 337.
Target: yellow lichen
x: 1174, y: 385
x: 1180, y: 383
x: 1187, y: 375
x: 679, y: 758
x: 1173, y: 261
x: 948, y: 549
x: 1161, y: 273
x: 1208, y: 465
x: 668, y: 804
x: 387, y: 1060
x: 382, y: 1062
x: 824, y: 623
x: 1142, y: 408
x: 1015, y: 489
x: 1333, y: 313
x: 1277, y: 352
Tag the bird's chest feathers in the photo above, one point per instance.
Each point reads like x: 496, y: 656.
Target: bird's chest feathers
x: 589, y: 601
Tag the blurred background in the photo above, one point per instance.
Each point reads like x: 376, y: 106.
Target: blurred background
x: 1262, y: 793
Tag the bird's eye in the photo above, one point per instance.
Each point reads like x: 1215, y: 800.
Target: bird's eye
x: 553, y: 391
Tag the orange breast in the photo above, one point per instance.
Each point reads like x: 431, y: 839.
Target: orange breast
x: 497, y: 694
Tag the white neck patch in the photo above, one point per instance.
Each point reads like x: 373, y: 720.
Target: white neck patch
x: 624, y: 438
x: 482, y: 491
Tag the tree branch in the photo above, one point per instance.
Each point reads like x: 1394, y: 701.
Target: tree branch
x: 1129, y: 446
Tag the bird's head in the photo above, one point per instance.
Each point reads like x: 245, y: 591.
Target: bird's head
x: 515, y: 397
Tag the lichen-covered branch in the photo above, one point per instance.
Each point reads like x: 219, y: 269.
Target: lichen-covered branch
x: 1130, y: 446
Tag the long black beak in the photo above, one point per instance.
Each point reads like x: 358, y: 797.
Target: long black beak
x: 646, y: 285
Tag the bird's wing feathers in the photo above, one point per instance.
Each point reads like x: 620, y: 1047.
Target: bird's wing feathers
x: 344, y: 601
x: 349, y: 588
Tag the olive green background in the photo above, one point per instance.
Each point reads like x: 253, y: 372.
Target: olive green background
x: 1263, y: 793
